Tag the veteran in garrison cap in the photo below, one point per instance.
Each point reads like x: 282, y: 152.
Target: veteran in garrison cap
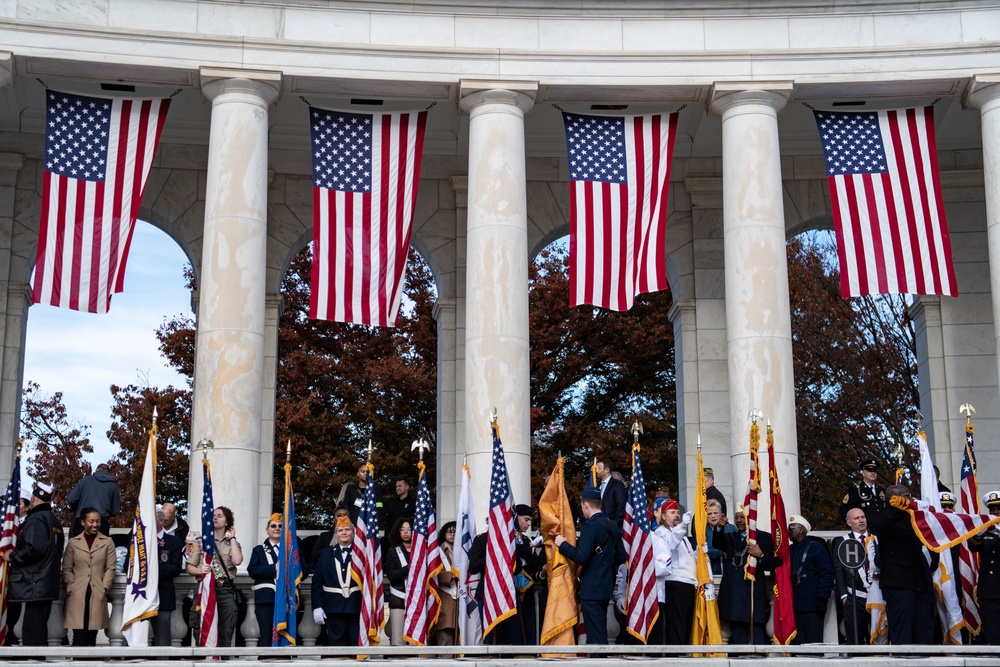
x: 865, y: 494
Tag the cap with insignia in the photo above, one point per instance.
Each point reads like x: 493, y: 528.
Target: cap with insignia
x: 344, y: 522
x: 590, y: 494
x: 992, y: 499
x: 523, y: 510
x: 947, y: 500
x: 709, y: 472
x: 871, y: 465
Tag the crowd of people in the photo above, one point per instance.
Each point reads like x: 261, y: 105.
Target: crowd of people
x: 901, y: 566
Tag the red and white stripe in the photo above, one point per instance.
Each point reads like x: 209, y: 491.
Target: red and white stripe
x: 86, y: 227
x: 618, y: 232
x: 940, y: 531
x: 892, y: 235
x: 499, y: 596
x: 968, y: 562
x: 750, y: 501
x: 360, y: 241
x: 641, y: 601
x: 8, y: 539
x: 209, y: 611
x: 366, y: 567
x: 423, y: 595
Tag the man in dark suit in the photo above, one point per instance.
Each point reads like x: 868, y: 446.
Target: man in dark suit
x: 852, y: 585
x: 712, y: 492
x: 171, y: 555
x: 612, y: 493
x: 904, y: 574
x: 987, y: 545
x: 600, y: 551
x: 735, y: 592
x: 336, y: 596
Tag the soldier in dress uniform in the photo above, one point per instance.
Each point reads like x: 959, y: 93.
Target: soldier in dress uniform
x: 866, y: 493
x: 987, y: 545
x: 340, y: 596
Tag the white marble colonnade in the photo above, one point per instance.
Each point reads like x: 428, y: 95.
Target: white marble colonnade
x: 759, y: 332
x: 230, y: 351
x: 496, y: 335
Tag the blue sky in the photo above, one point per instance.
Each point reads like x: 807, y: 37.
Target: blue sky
x: 82, y: 354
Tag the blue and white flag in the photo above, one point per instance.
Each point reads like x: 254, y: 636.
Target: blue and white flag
x: 470, y: 629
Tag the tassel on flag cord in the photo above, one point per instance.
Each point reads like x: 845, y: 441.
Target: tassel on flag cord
x: 750, y: 500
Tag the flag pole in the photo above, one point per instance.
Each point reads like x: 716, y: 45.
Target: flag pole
x: 755, y: 414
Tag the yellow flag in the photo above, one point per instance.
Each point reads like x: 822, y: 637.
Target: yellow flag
x: 561, y: 610
x: 706, y: 628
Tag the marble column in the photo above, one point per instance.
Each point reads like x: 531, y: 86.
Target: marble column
x: 983, y: 93
x: 229, y: 353
x: 447, y: 491
x: 15, y: 299
x: 497, y: 369
x: 273, y: 306
x: 759, y: 332
x: 925, y: 312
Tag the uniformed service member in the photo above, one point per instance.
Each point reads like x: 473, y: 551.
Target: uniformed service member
x: 341, y: 597
x: 866, y: 493
x: 987, y: 545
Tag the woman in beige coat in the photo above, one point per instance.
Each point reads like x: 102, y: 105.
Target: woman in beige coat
x: 88, y: 568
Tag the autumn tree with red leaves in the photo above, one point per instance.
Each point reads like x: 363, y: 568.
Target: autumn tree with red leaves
x: 54, y: 445
x: 593, y: 373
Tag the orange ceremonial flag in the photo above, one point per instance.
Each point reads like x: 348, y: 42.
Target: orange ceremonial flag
x: 706, y: 628
x: 561, y: 610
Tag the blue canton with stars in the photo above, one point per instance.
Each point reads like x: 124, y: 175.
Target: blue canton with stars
x: 499, y: 486
x: 422, y: 513
x: 76, y: 136
x: 852, y: 143
x: 596, y: 147
x: 969, y: 460
x: 637, y: 496
x: 341, y: 150
x: 207, y: 514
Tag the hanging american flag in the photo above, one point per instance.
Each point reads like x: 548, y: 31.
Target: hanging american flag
x: 641, y: 604
x: 499, y: 599
x: 423, y: 597
x: 940, y: 531
x: 98, y: 153
x: 365, y: 173
x: 206, y: 587
x: 750, y: 501
x: 968, y: 562
x: 619, y: 169
x: 892, y: 237
x: 8, y: 539
x: 366, y: 566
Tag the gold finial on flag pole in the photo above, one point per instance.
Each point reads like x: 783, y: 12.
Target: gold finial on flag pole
x: 20, y: 445
x: 636, y: 431
x: 968, y: 411
x: 369, y: 450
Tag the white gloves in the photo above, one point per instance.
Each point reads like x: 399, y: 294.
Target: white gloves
x: 538, y: 540
x: 687, y: 518
x: 319, y: 616
x: 704, y: 548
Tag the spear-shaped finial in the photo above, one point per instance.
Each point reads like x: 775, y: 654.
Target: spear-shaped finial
x: 369, y: 450
x: 968, y: 411
x: 288, y: 453
x: 699, y: 441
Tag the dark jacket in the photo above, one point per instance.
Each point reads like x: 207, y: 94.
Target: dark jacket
x: 99, y: 491
x: 171, y: 554
x: 899, y: 552
x: 987, y: 545
x: 599, y: 550
x: 849, y: 582
x: 182, y: 529
x: 613, y: 502
x: 396, y: 567
x: 734, y: 594
x: 335, y: 565
x: 812, y: 568
x: 263, y: 572
x: 477, y: 561
x: 351, y: 496
x: 36, y: 562
x: 862, y: 496
x: 396, y: 509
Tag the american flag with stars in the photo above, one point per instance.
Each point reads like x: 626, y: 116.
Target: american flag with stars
x: 366, y: 566
x: 98, y: 153
x: 619, y: 176
x: 892, y: 236
x: 499, y: 595
x: 365, y: 173
x: 423, y: 595
x: 968, y: 562
x: 8, y: 539
x: 641, y: 603
x: 206, y: 587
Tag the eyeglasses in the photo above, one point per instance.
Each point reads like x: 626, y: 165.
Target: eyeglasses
x: 274, y: 525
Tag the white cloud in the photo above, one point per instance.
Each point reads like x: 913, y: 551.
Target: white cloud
x: 82, y: 355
